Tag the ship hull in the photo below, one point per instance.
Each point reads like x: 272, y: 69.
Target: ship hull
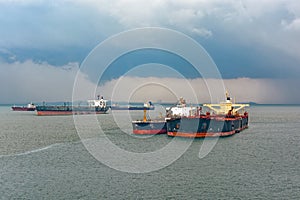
x: 206, y: 126
x: 131, y: 108
x: 16, y: 108
x: 66, y: 110
x: 149, y: 127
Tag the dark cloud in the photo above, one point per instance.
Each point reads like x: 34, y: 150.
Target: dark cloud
x: 249, y: 38
x: 243, y: 37
x: 29, y: 81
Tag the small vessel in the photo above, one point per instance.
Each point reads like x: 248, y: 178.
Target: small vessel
x: 147, y: 106
x: 147, y: 126
x: 225, y: 120
x: 159, y: 125
x: 97, y: 106
x: 29, y: 107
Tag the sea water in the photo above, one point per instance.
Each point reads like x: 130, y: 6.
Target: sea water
x: 42, y: 157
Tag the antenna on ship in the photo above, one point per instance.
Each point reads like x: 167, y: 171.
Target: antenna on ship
x: 227, y: 96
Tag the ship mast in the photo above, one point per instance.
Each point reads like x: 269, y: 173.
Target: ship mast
x: 145, y: 115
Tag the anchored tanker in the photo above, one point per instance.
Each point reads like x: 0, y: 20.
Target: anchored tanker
x: 148, y: 126
x: 159, y: 125
x: 98, y: 106
x: 225, y: 120
x: 146, y: 106
x: 29, y: 107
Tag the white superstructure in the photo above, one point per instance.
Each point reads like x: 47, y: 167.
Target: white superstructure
x: 181, y: 109
x: 101, y: 103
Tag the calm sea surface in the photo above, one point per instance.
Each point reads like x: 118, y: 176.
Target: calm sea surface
x: 42, y: 157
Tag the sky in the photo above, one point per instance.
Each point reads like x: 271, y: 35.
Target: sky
x: 254, y: 44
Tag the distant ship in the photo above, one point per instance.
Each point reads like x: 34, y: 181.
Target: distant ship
x: 29, y: 107
x: 225, y: 120
x: 146, y: 106
x: 159, y: 125
x: 98, y: 106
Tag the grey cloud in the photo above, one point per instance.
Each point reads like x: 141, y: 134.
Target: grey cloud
x: 29, y: 81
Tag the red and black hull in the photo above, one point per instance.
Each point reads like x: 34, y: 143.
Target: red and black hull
x: 48, y: 113
x: 206, y: 126
x: 149, y: 127
x: 17, y: 108
x: 131, y: 108
x: 69, y: 110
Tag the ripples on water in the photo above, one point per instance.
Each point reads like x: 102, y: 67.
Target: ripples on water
x: 42, y: 157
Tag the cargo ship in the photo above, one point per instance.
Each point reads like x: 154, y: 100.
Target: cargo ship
x: 159, y: 125
x: 98, y: 106
x: 148, y: 126
x: 29, y: 107
x: 223, y: 119
x: 146, y: 106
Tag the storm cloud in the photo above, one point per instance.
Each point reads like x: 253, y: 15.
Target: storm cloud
x: 28, y: 81
x: 254, y: 43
